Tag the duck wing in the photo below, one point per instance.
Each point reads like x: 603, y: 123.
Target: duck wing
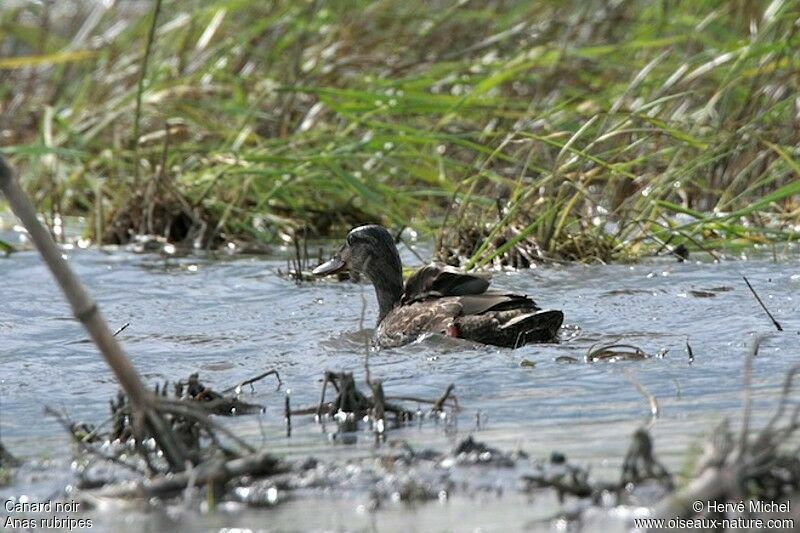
x: 503, y: 319
x: 510, y: 328
x: 494, y: 317
x: 495, y: 300
x: 436, y: 281
x: 441, y: 299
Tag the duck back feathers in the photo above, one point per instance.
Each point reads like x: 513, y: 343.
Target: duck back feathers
x: 435, y: 281
x: 439, y: 299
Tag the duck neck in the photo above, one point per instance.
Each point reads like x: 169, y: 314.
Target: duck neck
x: 387, y: 278
x: 389, y: 293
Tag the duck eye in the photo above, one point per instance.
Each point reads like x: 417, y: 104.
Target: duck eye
x: 353, y: 238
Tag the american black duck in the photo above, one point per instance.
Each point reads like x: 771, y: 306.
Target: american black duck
x: 438, y: 299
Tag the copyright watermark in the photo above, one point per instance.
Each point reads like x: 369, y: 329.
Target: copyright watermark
x: 745, y: 514
x: 742, y: 506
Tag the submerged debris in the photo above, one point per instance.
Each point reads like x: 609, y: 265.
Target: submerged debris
x: 298, y: 266
x: 214, y: 402
x: 615, y: 352
x: 124, y: 460
x: 407, y: 475
x: 564, y: 478
x: 186, y: 413
x: 474, y: 452
x: 351, y: 405
x: 397, y: 473
x: 640, y: 464
x: 681, y: 252
x: 565, y: 359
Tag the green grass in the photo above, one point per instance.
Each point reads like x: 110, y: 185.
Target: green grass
x: 510, y: 131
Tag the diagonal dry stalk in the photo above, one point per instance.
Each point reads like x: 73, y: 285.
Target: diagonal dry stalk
x: 733, y: 465
x: 87, y: 312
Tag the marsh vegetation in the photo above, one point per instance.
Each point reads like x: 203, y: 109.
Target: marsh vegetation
x: 509, y: 131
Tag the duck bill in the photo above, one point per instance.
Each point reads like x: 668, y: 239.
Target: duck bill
x: 331, y: 267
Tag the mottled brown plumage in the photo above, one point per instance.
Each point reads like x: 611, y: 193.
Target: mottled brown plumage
x: 439, y: 299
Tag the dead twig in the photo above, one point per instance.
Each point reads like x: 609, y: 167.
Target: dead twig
x: 188, y: 410
x: 88, y: 313
x: 651, y: 399
x: 287, y: 413
x: 753, y: 466
x: 438, y: 405
x: 351, y: 405
x: 252, y: 380
x: 764, y: 307
x: 417, y: 399
x: 84, y: 446
x: 216, y: 472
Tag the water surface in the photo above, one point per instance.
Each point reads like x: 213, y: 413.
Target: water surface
x: 230, y: 318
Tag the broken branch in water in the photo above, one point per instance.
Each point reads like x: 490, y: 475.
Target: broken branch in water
x: 439, y: 404
x: 217, y: 472
x: 764, y: 307
x: 417, y: 399
x: 238, y: 388
x: 193, y: 412
x: 88, y: 313
x: 187, y: 413
x: 351, y: 404
x: 84, y: 446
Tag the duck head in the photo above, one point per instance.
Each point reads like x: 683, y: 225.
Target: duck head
x: 370, y: 250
